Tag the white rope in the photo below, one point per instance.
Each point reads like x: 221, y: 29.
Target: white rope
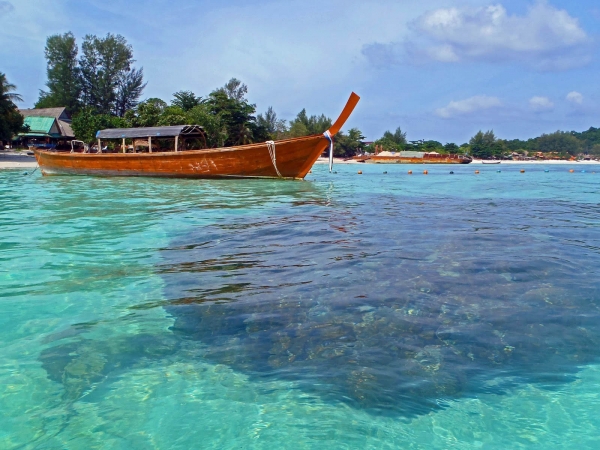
x: 327, y: 134
x: 271, y: 147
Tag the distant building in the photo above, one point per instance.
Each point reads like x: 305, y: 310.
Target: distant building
x: 48, y: 128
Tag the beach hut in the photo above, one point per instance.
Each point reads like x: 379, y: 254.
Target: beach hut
x: 47, y: 128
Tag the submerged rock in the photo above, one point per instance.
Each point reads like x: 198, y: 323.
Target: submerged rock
x: 378, y: 305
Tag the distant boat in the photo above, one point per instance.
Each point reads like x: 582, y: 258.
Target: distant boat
x: 411, y: 157
x: 288, y: 158
x: 490, y: 162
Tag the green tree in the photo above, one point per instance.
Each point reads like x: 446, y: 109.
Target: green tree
x: 88, y: 122
x: 109, y: 83
x: 484, y: 145
x: 397, y: 137
x: 235, y: 90
x: 146, y: 114
x: 303, y: 125
x: 186, y: 100
x: 64, y: 81
x: 236, y: 114
x: 432, y: 146
x: 451, y: 148
x: 214, y: 127
x: 348, y: 145
x: 559, y: 141
x: 11, y: 121
x: 130, y: 88
x: 173, y: 115
x: 274, y: 126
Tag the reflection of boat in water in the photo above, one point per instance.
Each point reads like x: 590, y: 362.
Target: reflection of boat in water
x: 490, y: 161
x: 411, y: 157
x: 180, y: 152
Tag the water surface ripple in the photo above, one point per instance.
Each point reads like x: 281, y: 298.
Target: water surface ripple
x: 361, y: 310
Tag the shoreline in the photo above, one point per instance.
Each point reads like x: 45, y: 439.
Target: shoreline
x: 16, y: 160
x: 475, y: 161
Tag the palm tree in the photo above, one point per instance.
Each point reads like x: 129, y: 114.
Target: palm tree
x: 11, y: 121
x: 7, y: 96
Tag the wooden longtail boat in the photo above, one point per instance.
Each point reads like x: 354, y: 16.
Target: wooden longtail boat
x: 288, y: 158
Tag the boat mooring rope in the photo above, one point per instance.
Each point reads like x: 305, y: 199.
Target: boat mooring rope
x: 327, y: 134
x: 31, y: 173
x: 271, y: 147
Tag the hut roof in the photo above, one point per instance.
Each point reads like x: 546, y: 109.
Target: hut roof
x: 158, y: 132
x: 57, y: 113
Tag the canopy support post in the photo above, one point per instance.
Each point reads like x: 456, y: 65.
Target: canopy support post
x: 150, y: 143
x: 176, y: 143
x: 124, y: 148
x: 99, y: 145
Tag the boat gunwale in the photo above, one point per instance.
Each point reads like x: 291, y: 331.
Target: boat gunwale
x: 180, y: 152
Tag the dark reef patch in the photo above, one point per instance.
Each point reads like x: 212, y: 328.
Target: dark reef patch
x: 388, y: 304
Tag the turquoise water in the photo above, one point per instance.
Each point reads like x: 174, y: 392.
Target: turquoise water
x: 346, y: 311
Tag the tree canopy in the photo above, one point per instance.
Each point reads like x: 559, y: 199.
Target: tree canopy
x: 11, y: 121
x: 103, y: 78
x: 64, y: 81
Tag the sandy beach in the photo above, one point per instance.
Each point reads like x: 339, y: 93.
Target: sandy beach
x: 478, y: 161
x: 16, y: 160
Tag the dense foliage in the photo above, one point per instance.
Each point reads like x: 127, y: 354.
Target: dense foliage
x: 102, y: 79
x: 11, y: 122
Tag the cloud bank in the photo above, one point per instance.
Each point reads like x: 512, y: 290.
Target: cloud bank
x: 545, y: 38
x: 541, y: 104
x: 468, y: 106
x: 575, y: 98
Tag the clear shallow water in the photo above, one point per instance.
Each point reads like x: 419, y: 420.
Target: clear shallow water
x: 371, y: 311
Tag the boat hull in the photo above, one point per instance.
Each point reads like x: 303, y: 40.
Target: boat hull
x: 293, y: 158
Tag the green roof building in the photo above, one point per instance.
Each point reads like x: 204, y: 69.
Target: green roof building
x: 48, y: 127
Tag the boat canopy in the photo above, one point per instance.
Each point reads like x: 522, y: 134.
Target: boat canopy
x: 145, y: 132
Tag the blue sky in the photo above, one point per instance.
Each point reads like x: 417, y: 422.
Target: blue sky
x: 440, y: 69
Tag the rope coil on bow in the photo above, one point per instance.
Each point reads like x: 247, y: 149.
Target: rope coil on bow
x: 327, y: 134
x: 271, y: 147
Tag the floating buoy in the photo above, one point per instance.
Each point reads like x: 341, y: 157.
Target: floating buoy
x: 410, y: 172
x: 451, y: 172
x: 498, y: 171
x: 385, y: 172
x: 546, y: 170
x: 360, y: 172
x: 583, y: 171
x: 571, y: 170
x: 477, y: 171
x: 522, y: 170
x: 425, y: 172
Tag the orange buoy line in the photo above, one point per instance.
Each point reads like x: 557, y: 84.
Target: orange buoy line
x: 410, y: 172
x: 571, y: 170
x: 522, y: 170
x: 425, y: 172
x: 360, y: 172
x: 477, y: 171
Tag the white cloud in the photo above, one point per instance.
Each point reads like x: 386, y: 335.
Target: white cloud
x: 545, y: 38
x: 468, y: 106
x: 541, y: 104
x: 575, y: 98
